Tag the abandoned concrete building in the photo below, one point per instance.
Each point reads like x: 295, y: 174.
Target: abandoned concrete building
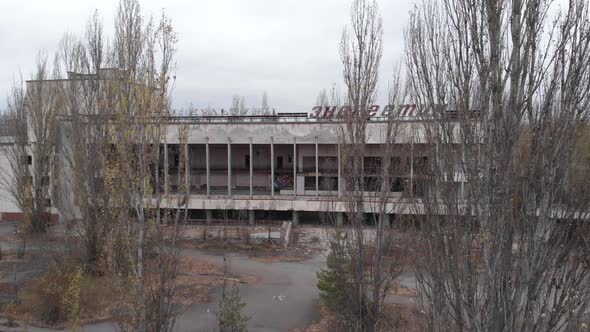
x: 286, y: 166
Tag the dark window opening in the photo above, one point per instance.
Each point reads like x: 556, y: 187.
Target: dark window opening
x: 247, y: 161
x: 397, y: 185
x: 279, y: 162
x: 309, y: 183
x: 328, y: 164
x: 421, y: 165
x: 372, y: 183
x: 329, y: 183
x: 421, y: 188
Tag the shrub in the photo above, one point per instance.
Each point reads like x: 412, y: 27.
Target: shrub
x: 10, y: 314
x: 330, y: 283
x: 339, y: 291
x: 230, y: 317
x: 59, y: 294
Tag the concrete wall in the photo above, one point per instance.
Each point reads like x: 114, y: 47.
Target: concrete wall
x: 7, y: 202
x: 304, y: 131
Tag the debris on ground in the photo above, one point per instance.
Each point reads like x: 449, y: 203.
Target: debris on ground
x: 279, y: 258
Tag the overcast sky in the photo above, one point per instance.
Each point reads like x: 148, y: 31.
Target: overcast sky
x: 289, y: 48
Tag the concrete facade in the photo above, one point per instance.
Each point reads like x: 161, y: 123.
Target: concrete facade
x: 280, y: 164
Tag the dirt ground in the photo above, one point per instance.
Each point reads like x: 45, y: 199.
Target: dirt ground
x: 278, y: 284
x: 305, y: 241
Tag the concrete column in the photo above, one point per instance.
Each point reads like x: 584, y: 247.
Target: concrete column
x: 157, y: 177
x: 339, y: 219
x: 317, y: 169
x: 463, y: 178
x: 166, y: 169
x: 251, y: 218
x: 208, y: 216
x: 295, y: 218
x: 272, y: 167
x: 207, y: 166
x: 187, y: 169
x: 294, y: 166
x: 339, y: 170
x: 436, y: 160
x: 385, y: 220
x: 229, y: 166
x: 412, y: 169
x: 251, y: 170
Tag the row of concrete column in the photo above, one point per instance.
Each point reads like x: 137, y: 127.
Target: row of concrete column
x: 272, y: 162
x: 251, y: 217
x: 251, y: 169
x: 209, y: 216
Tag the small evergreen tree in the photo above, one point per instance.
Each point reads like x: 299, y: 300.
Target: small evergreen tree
x: 333, y: 281
x: 340, y: 290
x: 229, y: 316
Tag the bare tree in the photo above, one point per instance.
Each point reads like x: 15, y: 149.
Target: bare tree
x: 264, y: 105
x: 144, y: 54
x: 84, y: 143
x: 16, y: 173
x: 238, y: 106
x: 322, y: 98
x: 41, y: 108
x: 359, y: 267
x: 117, y: 118
x: 171, y: 214
x: 504, y: 90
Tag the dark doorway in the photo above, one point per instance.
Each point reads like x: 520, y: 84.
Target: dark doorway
x: 279, y: 162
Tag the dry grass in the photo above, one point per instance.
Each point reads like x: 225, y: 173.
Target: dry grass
x: 403, y: 318
x: 221, y: 245
x: 397, y: 318
x: 10, y: 237
x: 102, y: 297
x: 197, y: 277
x: 98, y: 299
x: 324, y: 325
x: 278, y: 258
x: 7, y: 263
x: 400, y: 290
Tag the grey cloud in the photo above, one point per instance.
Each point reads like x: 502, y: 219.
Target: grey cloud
x: 288, y: 48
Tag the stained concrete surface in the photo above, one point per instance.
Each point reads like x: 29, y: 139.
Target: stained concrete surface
x: 296, y: 281
x: 6, y: 229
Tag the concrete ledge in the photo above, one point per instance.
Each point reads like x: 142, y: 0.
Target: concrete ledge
x: 278, y: 203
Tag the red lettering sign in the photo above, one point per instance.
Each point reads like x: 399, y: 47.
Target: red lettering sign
x: 329, y: 112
